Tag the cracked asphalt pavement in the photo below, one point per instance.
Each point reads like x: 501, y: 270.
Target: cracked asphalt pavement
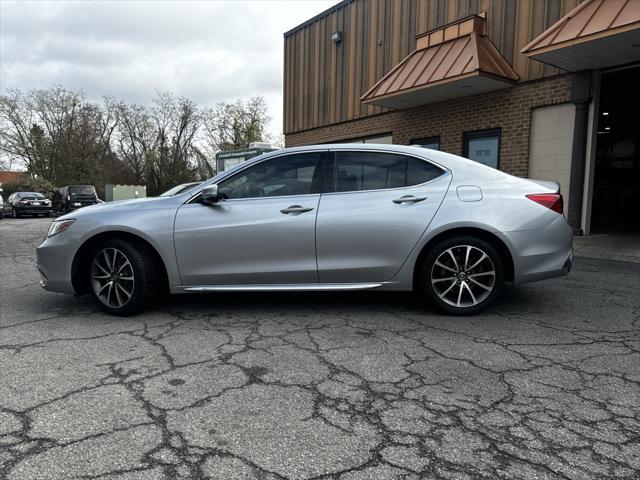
x: 347, y: 386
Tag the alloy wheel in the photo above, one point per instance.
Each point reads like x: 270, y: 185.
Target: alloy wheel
x: 463, y: 276
x: 112, y: 277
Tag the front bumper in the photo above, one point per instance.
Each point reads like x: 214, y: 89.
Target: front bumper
x: 54, y: 265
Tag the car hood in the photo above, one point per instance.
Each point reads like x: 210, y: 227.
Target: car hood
x: 121, y: 205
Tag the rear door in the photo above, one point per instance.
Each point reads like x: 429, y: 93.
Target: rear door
x: 373, y: 213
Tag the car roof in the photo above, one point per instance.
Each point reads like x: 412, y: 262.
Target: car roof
x: 463, y: 167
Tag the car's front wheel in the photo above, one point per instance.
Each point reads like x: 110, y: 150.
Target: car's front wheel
x: 461, y: 275
x: 14, y: 213
x: 122, y: 277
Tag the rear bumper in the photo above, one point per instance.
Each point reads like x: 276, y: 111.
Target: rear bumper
x: 544, y: 253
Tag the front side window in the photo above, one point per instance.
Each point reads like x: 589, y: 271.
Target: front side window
x: 483, y: 146
x: 287, y: 175
x: 357, y: 171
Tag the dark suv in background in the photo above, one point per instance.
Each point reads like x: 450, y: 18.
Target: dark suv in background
x: 73, y: 197
x: 26, y: 203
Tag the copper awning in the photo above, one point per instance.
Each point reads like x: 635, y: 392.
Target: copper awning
x: 453, y: 61
x: 595, y: 34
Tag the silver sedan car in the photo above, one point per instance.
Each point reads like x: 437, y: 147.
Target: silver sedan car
x: 325, y: 217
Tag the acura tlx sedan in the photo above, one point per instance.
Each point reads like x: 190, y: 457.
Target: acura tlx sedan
x: 326, y: 217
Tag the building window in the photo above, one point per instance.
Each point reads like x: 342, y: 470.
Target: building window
x: 386, y: 139
x: 430, y: 142
x: 483, y: 146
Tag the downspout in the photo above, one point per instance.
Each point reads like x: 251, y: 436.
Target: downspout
x: 581, y: 98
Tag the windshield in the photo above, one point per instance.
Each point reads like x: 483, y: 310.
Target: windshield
x: 179, y: 189
x: 82, y: 190
x: 30, y: 195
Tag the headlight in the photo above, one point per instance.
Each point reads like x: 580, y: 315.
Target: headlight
x: 59, y: 226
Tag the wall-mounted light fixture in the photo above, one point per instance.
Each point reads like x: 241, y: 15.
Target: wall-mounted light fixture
x: 336, y: 37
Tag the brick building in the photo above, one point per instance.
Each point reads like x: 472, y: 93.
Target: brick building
x: 540, y: 88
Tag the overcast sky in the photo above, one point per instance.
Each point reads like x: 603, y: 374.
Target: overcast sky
x: 209, y: 51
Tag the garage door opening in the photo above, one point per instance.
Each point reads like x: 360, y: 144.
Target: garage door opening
x: 616, y: 188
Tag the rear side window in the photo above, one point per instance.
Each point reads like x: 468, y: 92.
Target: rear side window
x: 356, y: 171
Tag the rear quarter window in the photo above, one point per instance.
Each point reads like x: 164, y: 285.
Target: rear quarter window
x: 421, y: 171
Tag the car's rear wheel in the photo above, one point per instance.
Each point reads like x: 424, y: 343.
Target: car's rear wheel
x: 122, y: 277
x: 461, y: 275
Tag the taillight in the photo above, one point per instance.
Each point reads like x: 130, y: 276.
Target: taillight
x: 552, y: 201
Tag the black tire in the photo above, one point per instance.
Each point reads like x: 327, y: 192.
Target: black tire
x: 143, y: 271
x: 1, y: 213
x: 14, y: 214
x: 466, y: 291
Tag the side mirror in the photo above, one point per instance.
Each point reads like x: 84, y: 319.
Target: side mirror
x: 210, y: 194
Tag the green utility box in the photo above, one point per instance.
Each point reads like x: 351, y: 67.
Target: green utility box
x: 124, y: 192
x: 227, y: 160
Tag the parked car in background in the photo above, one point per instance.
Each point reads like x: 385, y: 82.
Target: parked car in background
x: 27, y: 203
x: 72, y: 197
x: 325, y: 217
x: 178, y: 189
x: 1, y: 205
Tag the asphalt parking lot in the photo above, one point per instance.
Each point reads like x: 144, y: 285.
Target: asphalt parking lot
x: 346, y: 386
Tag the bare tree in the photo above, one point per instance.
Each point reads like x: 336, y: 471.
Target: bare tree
x: 55, y: 133
x: 135, y: 138
x: 60, y: 136
x: 54, y: 110
x: 16, y: 121
x: 177, y: 121
x: 234, y: 126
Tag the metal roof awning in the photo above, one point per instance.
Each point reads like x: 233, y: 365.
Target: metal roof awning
x: 456, y: 60
x: 595, y: 34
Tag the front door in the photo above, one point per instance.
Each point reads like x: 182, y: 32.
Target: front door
x: 373, y: 215
x: 262, y: 231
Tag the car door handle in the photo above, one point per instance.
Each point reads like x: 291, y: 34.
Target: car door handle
x: 295, y: 209
x: 409, y: 198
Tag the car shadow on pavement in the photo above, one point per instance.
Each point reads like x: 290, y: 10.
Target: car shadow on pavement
x: 399, y: 302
